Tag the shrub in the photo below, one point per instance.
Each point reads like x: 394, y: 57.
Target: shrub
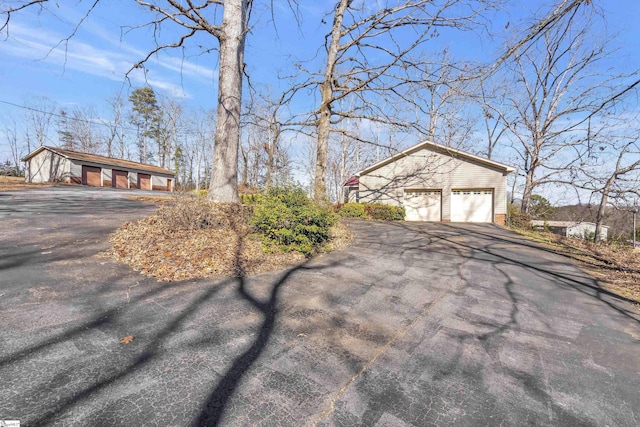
x: 381, y: 212
x: 191, y: 213
x: 250, y: 199
x: 353, y: 210
x: 518, y: 219
x: 286, y: 217
x: 200, y: 193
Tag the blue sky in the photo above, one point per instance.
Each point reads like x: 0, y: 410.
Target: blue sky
x: 90, y: 68
x: 93, y: 66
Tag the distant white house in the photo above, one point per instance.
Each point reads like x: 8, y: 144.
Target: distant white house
x: 579, y: 230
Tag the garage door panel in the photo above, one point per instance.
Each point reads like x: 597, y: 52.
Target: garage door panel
x: 144, y: 181
x: 474, y: 205
x: 91, y: 176
x: 423, y: 205
x: 120, y: 179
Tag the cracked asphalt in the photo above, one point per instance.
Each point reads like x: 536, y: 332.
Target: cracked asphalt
x: 413, y: 324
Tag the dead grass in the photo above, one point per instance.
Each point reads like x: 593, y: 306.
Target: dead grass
x: 12, y: 183
x: 152, y: 200
x: 616, y: 267
x: 192, y: 238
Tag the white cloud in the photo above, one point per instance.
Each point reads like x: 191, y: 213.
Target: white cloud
x: 112, y: 62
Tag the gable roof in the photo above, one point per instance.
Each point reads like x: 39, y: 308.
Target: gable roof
x: 442, y: 149
x: 354, y: 181
x: 103, y: 160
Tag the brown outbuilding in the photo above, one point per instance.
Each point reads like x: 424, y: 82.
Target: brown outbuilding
x: 52, y: 164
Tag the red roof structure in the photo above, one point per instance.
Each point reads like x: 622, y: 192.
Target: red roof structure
x: 354, y: 181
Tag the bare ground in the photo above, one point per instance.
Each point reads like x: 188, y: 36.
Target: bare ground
x: 12, y: 183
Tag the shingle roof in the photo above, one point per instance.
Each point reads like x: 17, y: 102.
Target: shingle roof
x: 442, y: 148
x: 103, y: 160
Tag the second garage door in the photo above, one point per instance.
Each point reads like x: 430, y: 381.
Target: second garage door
x: 422, y: 205
x: 120, y: 179
x: 91, y: 176
x: 472, y: 205
x: 144, y: 181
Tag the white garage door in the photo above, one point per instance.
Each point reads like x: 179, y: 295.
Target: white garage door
x: 472, y: 206
x: 422, y: 205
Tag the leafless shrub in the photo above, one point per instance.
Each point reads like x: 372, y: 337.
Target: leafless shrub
x: 195, y: 213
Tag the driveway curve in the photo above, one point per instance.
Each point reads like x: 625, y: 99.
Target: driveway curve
x: 413, y: 324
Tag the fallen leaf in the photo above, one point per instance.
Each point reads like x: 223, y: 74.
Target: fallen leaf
x: 127, y: 339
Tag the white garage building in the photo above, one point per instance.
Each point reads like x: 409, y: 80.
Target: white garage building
x: 436, y: 183
x: 52, y: 164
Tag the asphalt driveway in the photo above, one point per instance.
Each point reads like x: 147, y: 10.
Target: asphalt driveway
x: 413, y: 324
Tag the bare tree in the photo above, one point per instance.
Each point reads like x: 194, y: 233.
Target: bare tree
x: 360, y: 33
x: 169, y: 126
x: 230, y: 33
x: 198, y: 144
x: 267, y: 119
x: 492, y: 100
x: 557, y: 86
x: 17, y: 151
x: 115, y: 136
x: 439, y: 91
x: 39, y: 113
x: 611, y: 170
x: 229, y: 28
x: 85, y: 130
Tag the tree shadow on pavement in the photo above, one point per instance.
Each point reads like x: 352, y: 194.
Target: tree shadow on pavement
x: 582, y: 283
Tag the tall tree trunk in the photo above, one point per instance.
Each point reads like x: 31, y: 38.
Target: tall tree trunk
x: 526, y: 194
x: 529, y: 177
x: 326, y: 92
x: 245, y: 167
x: 601, y: 209
x: 224, y: 174
x: 271, y: 148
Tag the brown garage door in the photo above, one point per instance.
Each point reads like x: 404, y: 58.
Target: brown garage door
x: 120, y: 179
x: 91, y: 176
x: 144, y: 181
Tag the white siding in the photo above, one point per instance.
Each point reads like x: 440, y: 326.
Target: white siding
x: 133, y: 179
x: 429, y: 168
x: 106, y: 177
x: 47, y: 167
x: 586, y: 230
x: 76, y: 172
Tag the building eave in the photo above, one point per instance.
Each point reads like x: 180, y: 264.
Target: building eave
x: 448, y: 150
x: 101, y: 161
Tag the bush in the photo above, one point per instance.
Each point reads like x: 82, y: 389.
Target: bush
x: 353, y: 210
x: 250, y: 199
x: 288, y: 218
x: 518, y: 219
x: 191, y: 213
x: 200, y: 193
x: 381, y: 212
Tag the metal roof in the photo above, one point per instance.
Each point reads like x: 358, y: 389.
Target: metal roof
x: 354, y: 181
x: 102, y: 160
x: 541, y: 223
